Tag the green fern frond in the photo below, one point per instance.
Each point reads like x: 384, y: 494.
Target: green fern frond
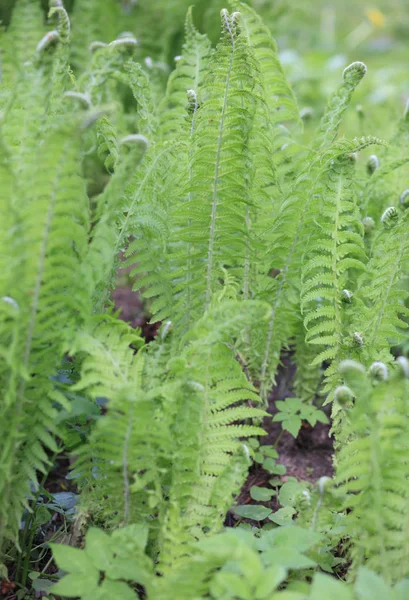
x: 308, y: 377
x: 51, y: 224
x: 380, y: 300
x: 211, y: 222
x: 91, y: 24
x: 188, y: 75
x: 25, y: 31
x: 280, y: 99
x: 372, y: 473
x: 335, y: 250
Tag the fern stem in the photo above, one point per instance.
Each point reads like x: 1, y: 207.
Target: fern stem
x: 337, y: 294
x: 189, y: 248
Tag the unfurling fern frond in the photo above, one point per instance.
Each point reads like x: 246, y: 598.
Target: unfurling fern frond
x: 338, y: 103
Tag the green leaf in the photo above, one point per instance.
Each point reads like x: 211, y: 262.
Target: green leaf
x: 72, y: 560
x: 42, y: 585
x: 97, y: 547
x: 34, y: 575
x: 292, y: 425
x: 42, y: 516
x: 269, y: 451
x: 253, y: 443
x: 252, y: 511
x: 370, y: 586
x: 134, y: 569
x: 285, y: 595
x: 325, y: 586
x: 261, y: 494
x: 289, y: 492
x: 77, y: 584
x: 283, y: 516
x: 258, y: 457
x: 402, y: 590
x: 116, y: 590
x: 136, y: 534
x: 271, y: 579
x: 270, y: 465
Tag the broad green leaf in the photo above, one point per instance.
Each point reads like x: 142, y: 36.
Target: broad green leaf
x: 325, y: 586
x: 270, y: 465
x: 289, y: 492
x: 97, y: 547
x: 116, y: 590
x: 136, y: 534
x: 402, y: 590
x: 292, y: 425
x: 272, y: 577
x: 283, y: 516
x: 270, y: 451
x: 370, y: 586
x: 77, y: 584
x: 252, y: 511
x: 231, y: 585
x: 261, y: 494
x: 137, y: 568
x: 72, y: 560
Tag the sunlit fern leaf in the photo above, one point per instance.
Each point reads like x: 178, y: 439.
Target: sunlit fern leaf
x: 219, y: 384
x: 136, y: 78
x: 105, y: 244
x: 144, y: 216
x: 60, y: 70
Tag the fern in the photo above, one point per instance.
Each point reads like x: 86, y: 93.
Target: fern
x: 380, y: 301
x: 372, y: 474
x: 191, y: 450
x: 48, y: 220
x: 188, y: 75
x: 336, y: 250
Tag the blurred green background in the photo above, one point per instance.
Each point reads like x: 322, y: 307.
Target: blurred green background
x: 316, y: 39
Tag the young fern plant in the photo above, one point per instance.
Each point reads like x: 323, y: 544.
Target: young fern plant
x: 192, y: 450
